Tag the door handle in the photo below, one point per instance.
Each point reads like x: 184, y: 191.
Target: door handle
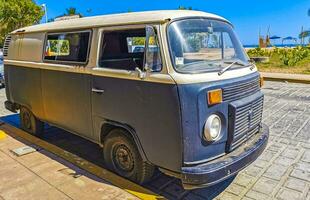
x: 97, y: 90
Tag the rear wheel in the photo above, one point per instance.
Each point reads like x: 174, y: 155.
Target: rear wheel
x: 122, y: 156
x: 30, y: 123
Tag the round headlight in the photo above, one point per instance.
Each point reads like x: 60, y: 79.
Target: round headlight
x: 212, y: 128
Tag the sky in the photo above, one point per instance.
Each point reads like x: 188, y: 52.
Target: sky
x: 285, y: 17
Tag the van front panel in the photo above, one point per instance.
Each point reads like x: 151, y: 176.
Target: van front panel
x: 195, y: 111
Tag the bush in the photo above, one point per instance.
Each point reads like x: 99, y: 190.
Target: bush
x: 289, y: 57
x: 257, y: 52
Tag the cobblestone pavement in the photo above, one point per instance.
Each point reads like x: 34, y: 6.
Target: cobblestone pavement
x: 281, y: 172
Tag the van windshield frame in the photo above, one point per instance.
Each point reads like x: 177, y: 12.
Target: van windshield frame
x: 204, y: 65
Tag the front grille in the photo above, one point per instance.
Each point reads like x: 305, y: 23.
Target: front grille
x: 244, y: 122
x: 241, y: 90
x: 6, y: 45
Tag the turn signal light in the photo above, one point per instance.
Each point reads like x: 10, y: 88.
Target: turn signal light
x: 215, y: 97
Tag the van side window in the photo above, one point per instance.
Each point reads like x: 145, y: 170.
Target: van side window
x: 122, y: 49
x: 67, y: 47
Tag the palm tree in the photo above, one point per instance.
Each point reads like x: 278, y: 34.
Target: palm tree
x: 72, y: 11
x: 303, y: 35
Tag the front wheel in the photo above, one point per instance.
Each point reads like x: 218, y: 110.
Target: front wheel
x: 122, y: 156
x: 30, y: 123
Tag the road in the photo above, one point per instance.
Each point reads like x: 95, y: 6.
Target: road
x: 281, y: 172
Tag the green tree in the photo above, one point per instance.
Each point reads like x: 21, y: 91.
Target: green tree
x: 16, y: 14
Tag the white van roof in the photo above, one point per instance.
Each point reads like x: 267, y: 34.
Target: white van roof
x: 117, y: 19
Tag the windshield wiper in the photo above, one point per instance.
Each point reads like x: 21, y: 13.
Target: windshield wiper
x: 231, y: 64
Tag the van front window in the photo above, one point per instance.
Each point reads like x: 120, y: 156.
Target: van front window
x: 203, y: 45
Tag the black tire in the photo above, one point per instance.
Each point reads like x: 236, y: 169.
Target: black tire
x: 30, y: 123
x: 122, y: 156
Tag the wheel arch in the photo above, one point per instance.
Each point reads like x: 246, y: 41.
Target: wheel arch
x: 107, y: 126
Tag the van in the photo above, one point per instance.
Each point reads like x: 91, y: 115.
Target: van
x: 189, y: 102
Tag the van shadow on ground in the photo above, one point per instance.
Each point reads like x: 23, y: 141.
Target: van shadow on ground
x: 161, y: 184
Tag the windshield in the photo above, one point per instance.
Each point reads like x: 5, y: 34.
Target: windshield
x: 202, y: 45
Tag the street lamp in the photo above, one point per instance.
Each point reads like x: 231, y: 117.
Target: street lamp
x: 45, y: 11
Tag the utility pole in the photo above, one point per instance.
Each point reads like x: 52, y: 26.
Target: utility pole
x: 45, y: 11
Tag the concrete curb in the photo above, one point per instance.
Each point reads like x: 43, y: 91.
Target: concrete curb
x: 286, y: 80
x: 282, y: 77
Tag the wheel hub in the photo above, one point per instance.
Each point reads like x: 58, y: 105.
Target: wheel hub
x: 123, y: 158
x: 27, y: 120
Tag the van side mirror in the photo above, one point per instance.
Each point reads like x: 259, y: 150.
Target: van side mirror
x: 152, y: 58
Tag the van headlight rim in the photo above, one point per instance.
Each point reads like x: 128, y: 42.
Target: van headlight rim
x: 212, y: 128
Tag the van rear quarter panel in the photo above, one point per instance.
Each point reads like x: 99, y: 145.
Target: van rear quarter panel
x: 23, y: 84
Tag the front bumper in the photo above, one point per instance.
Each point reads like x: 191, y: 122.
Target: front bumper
x: 213, y: 172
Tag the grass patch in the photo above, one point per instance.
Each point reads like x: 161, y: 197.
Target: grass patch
x: 276, y: 65
x: 295, y: 61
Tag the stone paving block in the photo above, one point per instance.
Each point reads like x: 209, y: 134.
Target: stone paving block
x: 246, y: 198
x: 261, y: 163
x: 275, y: 172
x: 304, y: 133
x: 267, y: 155
x: 265, y: 186
x: 302, y: 165
x: 243, y: 180
x: 306, y: 156
x: 236, y: 189
x: 301, y: 174
x: 285, y: 141
x: 296, y: 184
x: 285, y: 161
x: 305, y: 145
x: 275, y: 148
x: 287, y: 194
x: 257, y: 195
x: 229, y: 196
x: 253, y: 170
x: 290, y: 153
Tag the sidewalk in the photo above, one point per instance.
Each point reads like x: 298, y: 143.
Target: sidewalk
x: 43, y: 175
x: 295, y: 78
